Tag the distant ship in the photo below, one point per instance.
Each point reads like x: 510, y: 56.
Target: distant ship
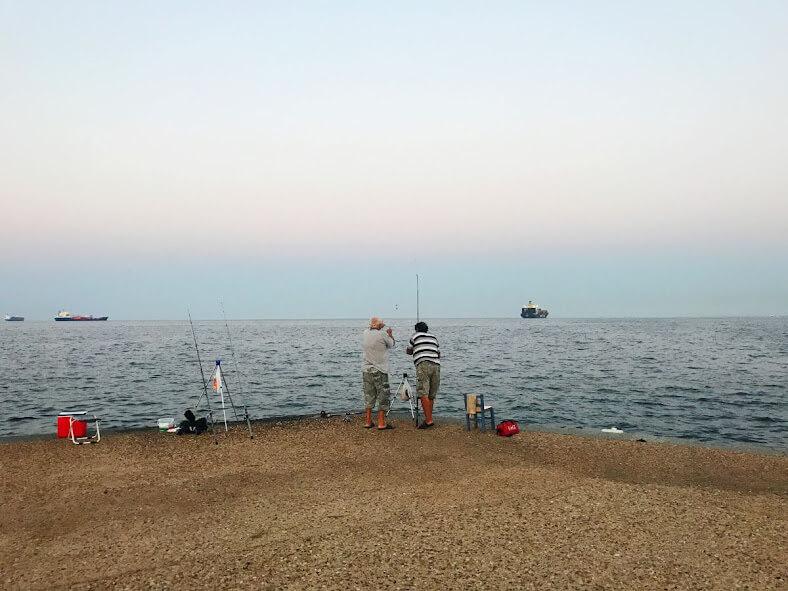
x: 66, y: 316
x: 14, y: 318
x: 531, y: 310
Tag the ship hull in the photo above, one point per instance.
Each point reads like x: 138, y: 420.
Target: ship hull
x: 78, y: 319
x: 14, y: 318
x: 527, y: 313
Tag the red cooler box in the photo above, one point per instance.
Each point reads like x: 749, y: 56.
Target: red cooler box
x: 64, y: 420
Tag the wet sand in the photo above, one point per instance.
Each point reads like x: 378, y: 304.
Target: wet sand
x: 326, y: 504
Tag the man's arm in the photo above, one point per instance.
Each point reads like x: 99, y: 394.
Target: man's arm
x: 388, y: 338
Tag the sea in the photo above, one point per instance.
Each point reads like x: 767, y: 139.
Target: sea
x: 712, y: 381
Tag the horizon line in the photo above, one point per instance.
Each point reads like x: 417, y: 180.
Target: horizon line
x: 317, y: 318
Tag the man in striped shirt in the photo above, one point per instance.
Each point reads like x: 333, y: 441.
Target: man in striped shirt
x: 426, y: 356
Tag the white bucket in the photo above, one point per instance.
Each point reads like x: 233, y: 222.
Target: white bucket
x: 166, y: 423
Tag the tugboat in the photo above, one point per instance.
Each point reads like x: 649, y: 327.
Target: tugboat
x: 66, y: 316
x: 13, y: 318
x: 531, y: 310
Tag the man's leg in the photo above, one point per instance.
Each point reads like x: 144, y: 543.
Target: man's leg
x: 369, y: 398
x: 423, y: 389
x: 435, y: 382
x: 384, y: 397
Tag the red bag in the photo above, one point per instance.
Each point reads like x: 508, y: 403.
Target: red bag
x: 507, y: 428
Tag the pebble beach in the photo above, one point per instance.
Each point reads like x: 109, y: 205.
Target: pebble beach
x: 326, y: 504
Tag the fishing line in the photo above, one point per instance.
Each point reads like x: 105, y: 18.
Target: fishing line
x: 202, y: 374
x: 237, y: 370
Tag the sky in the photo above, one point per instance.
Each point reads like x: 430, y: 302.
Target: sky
x: 308, y: 159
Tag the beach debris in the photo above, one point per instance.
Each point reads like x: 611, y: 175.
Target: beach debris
x: 615, y: 430
x: 347, y: 418
x: 323, y: 414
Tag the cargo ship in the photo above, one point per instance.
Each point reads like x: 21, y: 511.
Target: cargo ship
x: 13, y: 318
x: 531, y: 310
x: 66, y: 316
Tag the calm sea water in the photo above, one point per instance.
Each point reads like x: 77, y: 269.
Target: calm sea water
x: 718, y: 381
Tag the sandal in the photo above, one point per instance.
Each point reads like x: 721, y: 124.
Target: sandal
x: 386, y: 427
x: 369, y: 426
x: 425, y: 425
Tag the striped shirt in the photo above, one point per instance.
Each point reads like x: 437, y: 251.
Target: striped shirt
x: 425, y: 348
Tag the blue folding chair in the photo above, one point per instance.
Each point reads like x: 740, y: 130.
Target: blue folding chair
x: 475, y: 408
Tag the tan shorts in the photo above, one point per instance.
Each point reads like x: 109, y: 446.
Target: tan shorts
x: 428, y: 379
x: 376, y: 390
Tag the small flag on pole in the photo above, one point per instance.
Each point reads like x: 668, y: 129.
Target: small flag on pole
x: 216, y: 384
x: 217, y: 378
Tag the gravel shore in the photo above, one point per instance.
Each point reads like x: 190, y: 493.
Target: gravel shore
x: 326, y: 504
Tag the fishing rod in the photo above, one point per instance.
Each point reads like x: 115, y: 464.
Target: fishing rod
x: 202, y: 374
x: 418, y: 318
x: 237, y: 372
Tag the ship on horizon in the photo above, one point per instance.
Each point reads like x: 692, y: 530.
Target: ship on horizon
x: 67, y: 316
x: 531, y: 310
x: 13, y: 318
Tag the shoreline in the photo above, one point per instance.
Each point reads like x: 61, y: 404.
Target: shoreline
x: 325, y: 503
x: 732, y: 446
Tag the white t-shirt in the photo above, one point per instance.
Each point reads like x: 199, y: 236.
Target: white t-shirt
x: 376, y: 350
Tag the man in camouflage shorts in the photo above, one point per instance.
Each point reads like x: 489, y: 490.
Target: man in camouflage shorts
x: 375, y: 372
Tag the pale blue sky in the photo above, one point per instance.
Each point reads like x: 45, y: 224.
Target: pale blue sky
x: 600, y: 158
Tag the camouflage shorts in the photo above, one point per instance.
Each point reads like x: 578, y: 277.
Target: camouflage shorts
x: 428, y: 379
x: 376, y: 390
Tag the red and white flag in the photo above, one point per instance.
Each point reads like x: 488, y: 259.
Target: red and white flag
x: 216, y: 382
